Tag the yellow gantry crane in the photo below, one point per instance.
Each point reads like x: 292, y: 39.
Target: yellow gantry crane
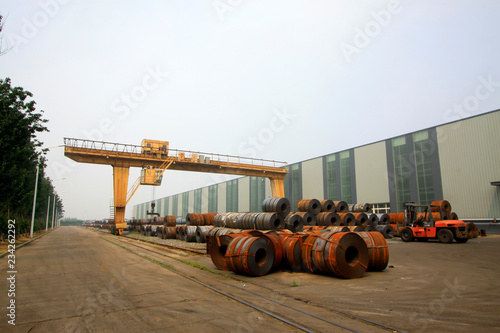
x: 154, y: 157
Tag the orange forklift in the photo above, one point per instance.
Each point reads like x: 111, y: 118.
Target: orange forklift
x: 420, y: 225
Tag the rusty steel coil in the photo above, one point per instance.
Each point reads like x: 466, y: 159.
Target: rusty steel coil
x: 453, y: 216
x: 159, y: 232
x: 195, y: 219
x: 269, y: 221
x: 250, y: 255
x: 273, y: 237
x: 201, y: 233
x: 383, y: 219
x: 395, y: 229
x: 341, y: 206
x: 190, y: 233
x: 327, y: 206
x: 292, y: 251
x: 209, y: 218
x: 312, y: 206
x: 355, y: 228
x: 294, y: 223
x: 170, y: 232
x: 318, y: 252
x: 444, y: 204
x: 328, y: 219
x: 378, y: 251
x: 436, y: 216
x: 338, y: 229
x: 179, y: 232
x: 307, y: 218
x: 307, y: 255
x: 170, y: 221
x: 215, y: 232
x: 370, y: 228
x: 276, y: 204
x: 217, y: 250
x: 386, y: 230
x: 361, y: 219
x: 395, y: 218
x: 360, y: 207
x: 347, y: 219
x: 346, y: 255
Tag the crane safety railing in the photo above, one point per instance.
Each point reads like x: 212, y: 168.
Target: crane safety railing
x: 135, y: 150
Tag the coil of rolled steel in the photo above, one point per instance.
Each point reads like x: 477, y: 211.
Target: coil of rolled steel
x: 346, y: 255
x: 340, y: 206
x: 328, y: 219
x: 472, y: 230
x: 395, y: 229
x: 372, y: 220
x: 159, y: 219
x: 179, y: 232
x: 292, y: 251
x: 195, y: 219
x: 395, y: 218
x: 383, y: 219
x: 275, y: 240
x: 276, y: 204
x: 250, y: 255
x: 307, y: 218
x: 170, y: 221
x: 190, y: 233
x: 327, y: 206
x: 159, y: 232
x: 444, y: 204
x: 209, y: 218
x: 370, y: 228
x: 361, y: 219
x: 378, y: 251
x: 170, y: 232
x: 294, y: 223
x: 318, y: 252
x: 338, y: 229
x: 312, y: 206
x: 269, y: 221
x: 180, y: 221
x: 360, y: 207
x: 307, y: 253
x: 386, y: 230
x: 453, y: 216
x: 201, y: 233
x: 217, y: 250
x: 347, y: 219
x: 355, y: 228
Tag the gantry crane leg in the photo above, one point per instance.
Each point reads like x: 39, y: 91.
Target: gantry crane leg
x: 277, y: 187
x: 120, y: 184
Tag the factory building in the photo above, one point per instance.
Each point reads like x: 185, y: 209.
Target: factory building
x: 458, y: 161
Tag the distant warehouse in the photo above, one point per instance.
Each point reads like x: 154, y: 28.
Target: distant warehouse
x: 457, y: 161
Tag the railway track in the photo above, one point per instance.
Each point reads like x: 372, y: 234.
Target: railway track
x: 301, y: 314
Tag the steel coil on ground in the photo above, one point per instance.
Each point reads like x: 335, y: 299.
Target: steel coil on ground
x: 386, y: 230
x: 292, y: 251
x: 378, y: 251
x: 159, y: 232
x: 372, y: 220
x: 395, y: 229
x: 340, y: 206
x: 170, y: 221
x: 472, y: 230
x: 190, y: 233
x: 347, y: 219
x: 179, y: 232
x: 312, y: 206
x: 250, y: 255
x: 328, y: 219
x: 338, y: 229
x: 294, y: 223
x: 383, y: 219
x: 327, y: 206
x: 217, y: 250
x: 360, y: 207
x: 346, y: 255
x: 307, y: 218
x: 202, y: 232
x: 355, y: 228
x: 195, y: 219
x: 443, y: 204
x: 395, y: 218
x: 269, y: 221
x: 276, y: 204
x: 170, y: 232
x: 361, y: 219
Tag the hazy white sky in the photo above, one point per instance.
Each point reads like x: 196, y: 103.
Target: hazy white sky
x: 283, y: 80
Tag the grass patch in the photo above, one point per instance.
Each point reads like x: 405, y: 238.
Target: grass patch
x: 294, y: 284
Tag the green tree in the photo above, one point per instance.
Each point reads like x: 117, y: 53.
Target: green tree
x: 19, y: 125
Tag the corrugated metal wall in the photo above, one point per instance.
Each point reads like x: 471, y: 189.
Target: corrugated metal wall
x: 469, y: 155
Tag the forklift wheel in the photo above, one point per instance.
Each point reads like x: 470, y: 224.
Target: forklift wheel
x: 407, y: 235
x: 445, y: 236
